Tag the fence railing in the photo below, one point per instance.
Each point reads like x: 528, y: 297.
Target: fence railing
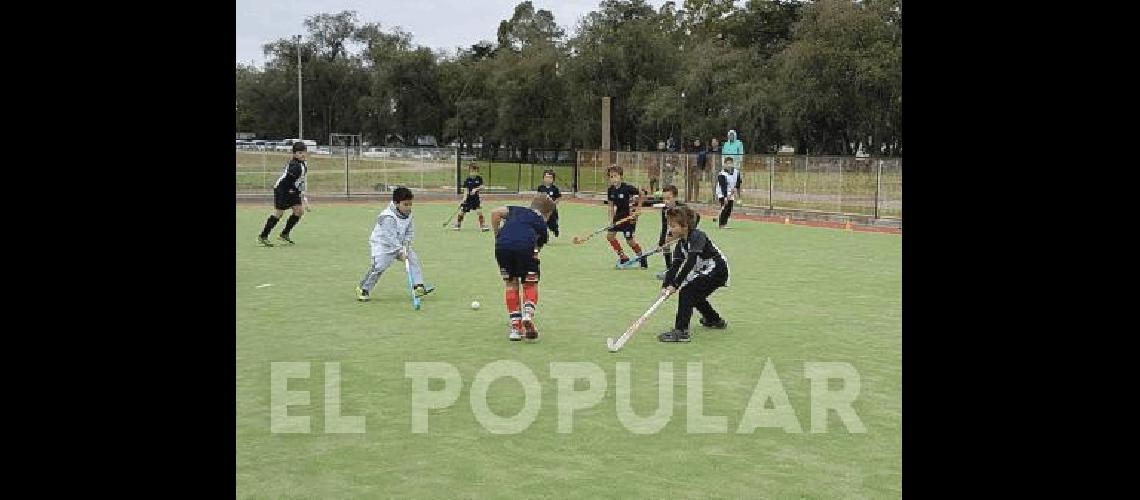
x: 348, y: 171
x: 515, y: 171
x: 835, y: 184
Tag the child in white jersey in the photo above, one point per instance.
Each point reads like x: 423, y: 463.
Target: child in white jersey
x: 392, y: 240
x: 727, y: 184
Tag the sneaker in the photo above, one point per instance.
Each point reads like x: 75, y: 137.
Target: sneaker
x: 362, y: 294
x: 514, y: 335
x: 674, y: 335
x: 286, y: 239
x: 622, y: 263
x: 528, y: 325
x: 264, y: 241
x: 422, y: 290
x: 661, y: 275
x: 484, y: 229
x: 644, y: 263
x: 719, y: 325
x: 454, y: 228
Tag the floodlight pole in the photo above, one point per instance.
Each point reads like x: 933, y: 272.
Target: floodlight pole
x: 300, y: 115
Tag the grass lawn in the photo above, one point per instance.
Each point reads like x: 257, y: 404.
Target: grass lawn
x: 798, y: 295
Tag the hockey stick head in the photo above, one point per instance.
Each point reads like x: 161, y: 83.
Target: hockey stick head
x: 611, y: 346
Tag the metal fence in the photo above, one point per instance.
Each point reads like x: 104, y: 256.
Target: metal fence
x: 515, y: 171
x: 351, y: 171
x: 832, y: 184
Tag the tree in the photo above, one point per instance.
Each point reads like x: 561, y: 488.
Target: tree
x: 528, y: 27
x: 840, y: 79
x: 823, y: 75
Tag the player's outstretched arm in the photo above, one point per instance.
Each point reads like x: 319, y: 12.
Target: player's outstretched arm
x: 497, y: 216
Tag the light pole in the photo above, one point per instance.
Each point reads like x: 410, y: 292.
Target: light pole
x: 458, y: 136
x: 458, y: 109
x: 459, y: 113
x: 300, y: 116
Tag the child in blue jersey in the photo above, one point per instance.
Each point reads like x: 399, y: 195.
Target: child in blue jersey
x: 623, y: 199
x: 548, y: 188
x: 473, y: 184
x: 519, y: 234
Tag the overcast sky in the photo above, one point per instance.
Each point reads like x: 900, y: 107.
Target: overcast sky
x: 438, y: 24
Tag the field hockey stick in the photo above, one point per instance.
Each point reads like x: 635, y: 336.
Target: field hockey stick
x: 578, y: 240
x: 411, y: 283
x: 616, y: 345
x: 452, y: 216
x: 634, y: 260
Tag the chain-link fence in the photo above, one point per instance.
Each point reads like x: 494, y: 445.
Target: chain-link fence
x: 515, y: 171
x: 832, y: 184
x: 347, y: 171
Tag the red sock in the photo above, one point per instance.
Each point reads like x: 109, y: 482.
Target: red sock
x: 617, y: 248
x: 481, y: 220
x: 636, y: 248
x: 512, y: 299
x: 530, y: 293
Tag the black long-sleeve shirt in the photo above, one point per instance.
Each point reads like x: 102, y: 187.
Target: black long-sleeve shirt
x: 695, y: 252
x: 665, y: 222
x: 293, y: 177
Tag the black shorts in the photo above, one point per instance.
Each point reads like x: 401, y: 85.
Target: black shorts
x: 626, y: 228
x: 284, y: 200
x: 517, y: 264
x: 471, y: 203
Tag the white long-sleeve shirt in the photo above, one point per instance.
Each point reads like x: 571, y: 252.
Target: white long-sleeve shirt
x: 393, y: 231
